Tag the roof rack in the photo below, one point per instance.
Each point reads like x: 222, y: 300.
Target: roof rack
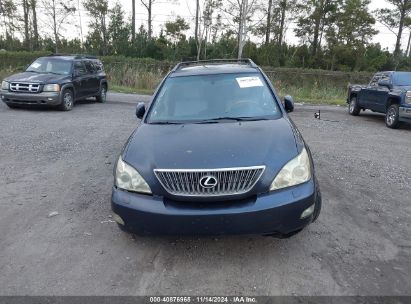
x: 214, y: 61
x: 76, y: 56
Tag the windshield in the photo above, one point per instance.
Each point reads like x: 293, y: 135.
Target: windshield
x: 50, y: 65
x: 200, y: 98
x: 402, y: 79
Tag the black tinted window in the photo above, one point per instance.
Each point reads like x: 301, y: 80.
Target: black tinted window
x: 79, y: 68
x: 89, y: 67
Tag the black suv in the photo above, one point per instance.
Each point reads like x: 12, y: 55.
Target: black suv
x: 57, y: 80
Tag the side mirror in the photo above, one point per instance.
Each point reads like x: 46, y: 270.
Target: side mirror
x: 384, y: 83
x: 288, y: 103
x: 140, y: 110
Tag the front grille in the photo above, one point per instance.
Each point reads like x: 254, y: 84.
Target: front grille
x: 209, y: 182
x: 24, y: 87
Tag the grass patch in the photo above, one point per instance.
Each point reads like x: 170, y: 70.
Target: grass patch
x: 130, y: 90
x: 307, y: 86
x: 7, y: 72
x: 329, y: 96
x: 313, y: 94
x: 315, y: 87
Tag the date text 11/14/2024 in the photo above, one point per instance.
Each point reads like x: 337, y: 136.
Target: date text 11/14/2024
x: 203, y: 299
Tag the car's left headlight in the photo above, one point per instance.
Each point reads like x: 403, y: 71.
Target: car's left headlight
x: 127, y: 178
x: 51, y: 88
x: 4, y: 85
x: 295, y: 172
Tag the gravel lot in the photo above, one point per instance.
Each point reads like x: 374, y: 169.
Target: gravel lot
x: 53, y: 161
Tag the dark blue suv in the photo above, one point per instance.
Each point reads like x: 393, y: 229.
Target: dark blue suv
x: 215, y: 153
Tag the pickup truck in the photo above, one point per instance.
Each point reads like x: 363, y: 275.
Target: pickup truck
x: 388, y: 93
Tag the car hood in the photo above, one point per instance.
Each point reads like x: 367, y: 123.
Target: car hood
x: 209, y: 146
x: 36, y: 77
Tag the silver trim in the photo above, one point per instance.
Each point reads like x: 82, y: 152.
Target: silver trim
x: 24, y: 87
x: 187, y: 184
x: 405, y: 113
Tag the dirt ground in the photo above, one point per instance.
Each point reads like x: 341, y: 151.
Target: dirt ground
x: 61, y: 162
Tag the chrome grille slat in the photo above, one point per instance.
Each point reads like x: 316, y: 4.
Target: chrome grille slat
x: 230, y: 181
x: 252, y: 177
x: 246, y: 178
x: 24, y: 87
x: 175, y: 181
x: 169, y: 178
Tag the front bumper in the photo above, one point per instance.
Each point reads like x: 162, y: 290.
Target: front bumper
x: 405, y: 114
x: 276, y: 213
x: 43, y: 98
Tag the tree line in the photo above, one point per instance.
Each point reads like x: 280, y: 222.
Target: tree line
x: 332, y: 34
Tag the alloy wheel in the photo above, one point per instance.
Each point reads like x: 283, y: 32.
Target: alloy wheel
x: 391, y: 116
x: 103, y: 94
x: 68, y: 100
x: 352, y: 105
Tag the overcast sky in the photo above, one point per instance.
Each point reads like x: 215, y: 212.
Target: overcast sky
x: 165, y: 10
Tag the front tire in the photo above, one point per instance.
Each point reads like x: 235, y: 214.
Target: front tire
x: 353, y: 108
x: 318, y: 205
x: 392, y: 117
x: 122, y: 227
x: 67, y: 103
x: 103, y: 94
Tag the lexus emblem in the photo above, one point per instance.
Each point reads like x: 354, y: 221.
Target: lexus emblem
x: 208, y: 181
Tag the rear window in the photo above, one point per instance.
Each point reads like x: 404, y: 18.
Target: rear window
x: 98, y: 66
x: 204, y: 97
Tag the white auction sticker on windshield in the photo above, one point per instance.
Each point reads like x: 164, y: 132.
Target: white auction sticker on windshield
x: 249, y: 82
x: 36, y: 65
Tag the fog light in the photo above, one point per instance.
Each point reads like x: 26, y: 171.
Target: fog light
x: 307, y: 212
x: 50, y: 99
x: 118, y: 219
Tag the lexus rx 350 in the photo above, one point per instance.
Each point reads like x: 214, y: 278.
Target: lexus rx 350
x: 215, y: 153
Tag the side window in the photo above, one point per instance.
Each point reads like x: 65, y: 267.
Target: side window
x: 79, y: 68
x: 98, y: 66
x: 374, y: 80
x: 385, y: 77
x: 89, y: 67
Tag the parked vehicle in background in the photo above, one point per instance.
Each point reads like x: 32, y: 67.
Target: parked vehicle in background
x: 388, y: 93
x: 216, y: 153
x: 56, y: 80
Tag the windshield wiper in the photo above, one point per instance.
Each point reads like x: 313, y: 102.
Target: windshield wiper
x: 33, y: 71
x: 217, y: 119
x: 164, y: 123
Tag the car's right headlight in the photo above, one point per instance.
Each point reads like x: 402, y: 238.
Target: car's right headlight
x: 295, y: 172
x: 408, y: 97
x: 127, y: 178
x: 4, y: 85
x: 51, y: 88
